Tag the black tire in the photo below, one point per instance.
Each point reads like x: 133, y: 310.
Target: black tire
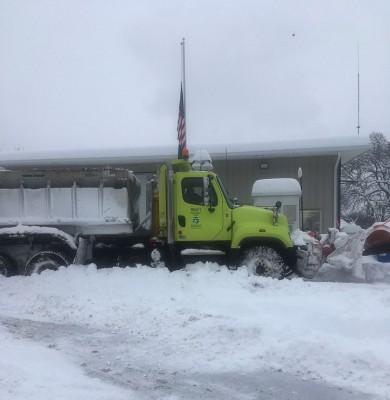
x: 6, y: 266
x: 174, y: 259
x: 264, y: 261
x: 45, y: 260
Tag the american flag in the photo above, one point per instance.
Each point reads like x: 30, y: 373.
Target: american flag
x: 181, y: 126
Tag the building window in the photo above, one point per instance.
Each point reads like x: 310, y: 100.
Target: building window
x: 312, y: 220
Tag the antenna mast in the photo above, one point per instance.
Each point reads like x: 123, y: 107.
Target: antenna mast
x: 358, y: 83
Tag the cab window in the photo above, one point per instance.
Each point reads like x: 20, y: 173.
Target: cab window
x: 193, y: 192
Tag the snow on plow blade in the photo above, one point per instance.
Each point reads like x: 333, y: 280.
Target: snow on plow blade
x: 308, y: 253
x: 309, y: 259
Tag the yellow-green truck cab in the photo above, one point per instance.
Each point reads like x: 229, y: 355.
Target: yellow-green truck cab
x: 196, y: 212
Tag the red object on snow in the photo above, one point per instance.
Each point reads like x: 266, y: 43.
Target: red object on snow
x: 378, y: 240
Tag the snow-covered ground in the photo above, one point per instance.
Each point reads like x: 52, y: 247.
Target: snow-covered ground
x: 200, y: 333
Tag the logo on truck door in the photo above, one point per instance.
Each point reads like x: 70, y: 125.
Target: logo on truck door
x: 195, y: 211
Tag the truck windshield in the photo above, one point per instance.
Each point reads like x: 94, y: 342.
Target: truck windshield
x: 229, y: 201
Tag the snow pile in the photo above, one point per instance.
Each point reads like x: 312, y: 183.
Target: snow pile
x: 347, y: 262
x: 300, y: 238
x: 342, y: 255
x: 203, y: 319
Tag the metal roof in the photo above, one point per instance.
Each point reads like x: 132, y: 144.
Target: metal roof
x: 347, y: 147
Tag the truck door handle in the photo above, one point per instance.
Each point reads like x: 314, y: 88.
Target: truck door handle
x: 182, y: 220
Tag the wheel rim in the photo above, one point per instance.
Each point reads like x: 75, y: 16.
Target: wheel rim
x: 265, y: 268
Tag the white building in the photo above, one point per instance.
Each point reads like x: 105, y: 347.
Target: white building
x: 239, y: 166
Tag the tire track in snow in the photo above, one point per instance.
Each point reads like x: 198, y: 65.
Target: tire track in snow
x: 121, y: 358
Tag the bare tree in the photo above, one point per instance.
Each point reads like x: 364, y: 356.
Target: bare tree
x: 365, y: 184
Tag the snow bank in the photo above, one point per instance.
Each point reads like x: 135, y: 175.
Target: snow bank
x: 347, y: 262
x: 207, y: 319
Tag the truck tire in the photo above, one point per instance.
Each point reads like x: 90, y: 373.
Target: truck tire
x: 264, y: 261
x: 6, y: 266
x: 45, y: 260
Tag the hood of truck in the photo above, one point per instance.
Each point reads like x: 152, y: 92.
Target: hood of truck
x: 247, y: 212
x: 256, y: 222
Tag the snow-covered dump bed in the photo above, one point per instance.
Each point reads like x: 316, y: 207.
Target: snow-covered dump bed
x: 83, y: 201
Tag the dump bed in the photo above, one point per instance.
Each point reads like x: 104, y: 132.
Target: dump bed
x: 77, y: 201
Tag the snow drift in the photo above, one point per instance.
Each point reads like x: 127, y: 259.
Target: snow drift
x: 203, y: 319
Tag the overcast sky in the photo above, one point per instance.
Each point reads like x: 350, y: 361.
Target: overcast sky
x: 106, y: 73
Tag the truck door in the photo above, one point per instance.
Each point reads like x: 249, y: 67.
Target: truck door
x: 195, y: 220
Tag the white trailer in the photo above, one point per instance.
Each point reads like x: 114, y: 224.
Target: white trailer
x: 266, y: 192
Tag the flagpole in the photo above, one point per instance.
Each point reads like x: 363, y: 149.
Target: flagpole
x: 181, y: 123
x: 183, y: 76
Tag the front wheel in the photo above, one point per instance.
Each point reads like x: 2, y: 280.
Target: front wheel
x: 45, y: 260
x: 264, y: 261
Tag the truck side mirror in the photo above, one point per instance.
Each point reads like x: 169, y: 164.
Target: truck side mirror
x: 276, y: 210
x: 207, y: 186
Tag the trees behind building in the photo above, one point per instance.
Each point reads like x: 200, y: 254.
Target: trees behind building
x: 365, y: 184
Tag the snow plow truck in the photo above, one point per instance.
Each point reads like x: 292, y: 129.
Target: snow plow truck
x: 53, y: 217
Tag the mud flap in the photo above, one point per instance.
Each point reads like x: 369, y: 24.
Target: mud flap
x: 84, y: 251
